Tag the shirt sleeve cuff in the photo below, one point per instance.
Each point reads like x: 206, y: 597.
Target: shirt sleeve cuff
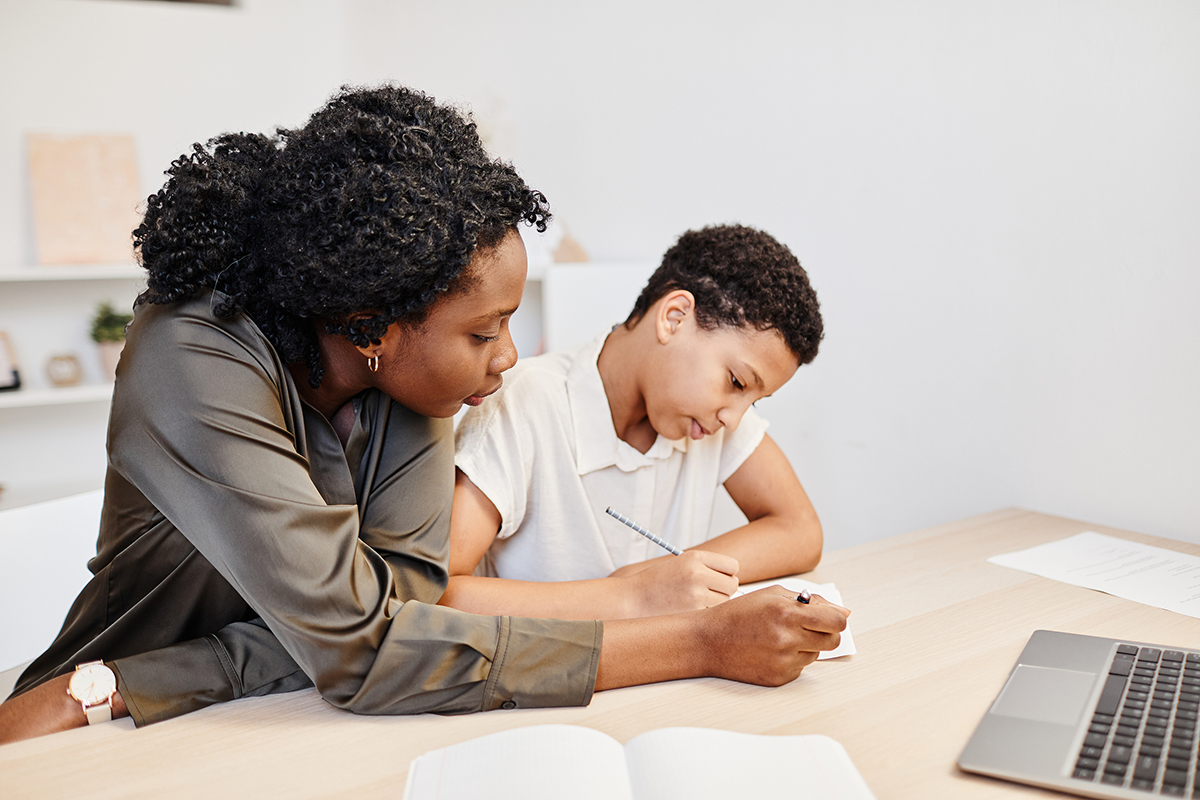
x: 172, y: 681
x: 241, y: 660
x: 542, y: 663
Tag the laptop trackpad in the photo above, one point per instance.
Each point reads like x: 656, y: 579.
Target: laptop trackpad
x: 1045, y: 694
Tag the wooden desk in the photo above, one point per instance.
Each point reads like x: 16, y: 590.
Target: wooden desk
x: 937, y: 629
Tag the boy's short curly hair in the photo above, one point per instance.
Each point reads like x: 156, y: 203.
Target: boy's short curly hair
x: 376, y: 205
x: 740, y: 277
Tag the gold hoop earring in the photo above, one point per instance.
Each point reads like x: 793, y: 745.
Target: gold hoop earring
x: 373, y: 363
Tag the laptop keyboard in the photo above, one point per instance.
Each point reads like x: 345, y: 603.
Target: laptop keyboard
x: 1143, y: 732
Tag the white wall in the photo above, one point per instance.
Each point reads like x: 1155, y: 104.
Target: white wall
x: 997, y: 203
x: 170, y: 74
x: 994, y: 199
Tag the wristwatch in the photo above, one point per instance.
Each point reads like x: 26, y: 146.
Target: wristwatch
x: 94, y: 685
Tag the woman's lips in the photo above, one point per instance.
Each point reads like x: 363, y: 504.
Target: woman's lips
x: 476, y: 399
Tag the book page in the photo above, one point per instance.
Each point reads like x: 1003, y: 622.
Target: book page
x: 687, y: 763
x: 535, y: 763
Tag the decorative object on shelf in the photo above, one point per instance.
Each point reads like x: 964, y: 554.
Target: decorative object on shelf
x: 554, y: 246
x: 64, y: 370
x: 10, y: 375
x: 569, y: 250
x: 85, y: 193
x: 108, y: 332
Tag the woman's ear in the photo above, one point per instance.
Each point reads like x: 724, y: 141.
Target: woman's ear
x: 373, y: 349
x: 673, y: 310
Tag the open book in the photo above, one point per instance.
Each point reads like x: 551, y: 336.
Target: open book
x: 557, y: 761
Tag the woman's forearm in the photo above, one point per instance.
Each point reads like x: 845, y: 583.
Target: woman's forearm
x: 46, y: 709
x: 765, y: 637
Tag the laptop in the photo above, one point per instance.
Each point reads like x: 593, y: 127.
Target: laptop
x: 1094, y: 717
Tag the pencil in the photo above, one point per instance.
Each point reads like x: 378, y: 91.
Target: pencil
x: 670, y: 548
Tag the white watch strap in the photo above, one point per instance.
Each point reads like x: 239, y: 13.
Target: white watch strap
x: 101, y: 712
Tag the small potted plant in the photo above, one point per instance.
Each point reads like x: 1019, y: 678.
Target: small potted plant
x: 108, y: 332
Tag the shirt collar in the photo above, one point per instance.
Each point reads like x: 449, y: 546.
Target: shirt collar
x: 596, y: 443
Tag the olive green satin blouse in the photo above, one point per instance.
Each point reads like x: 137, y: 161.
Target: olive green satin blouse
x: 243, y: 551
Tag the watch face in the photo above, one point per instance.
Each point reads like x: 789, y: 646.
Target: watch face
x: 92, y: 684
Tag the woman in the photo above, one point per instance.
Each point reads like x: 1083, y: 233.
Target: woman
x: 280, y: 458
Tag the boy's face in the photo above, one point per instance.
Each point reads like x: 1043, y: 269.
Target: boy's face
x: 705, y: 380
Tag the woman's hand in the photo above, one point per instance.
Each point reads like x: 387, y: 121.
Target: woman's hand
x: 46, y: 709
x: 695, y: 580
x: 767, y: 637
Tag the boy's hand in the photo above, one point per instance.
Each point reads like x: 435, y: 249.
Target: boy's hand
x: 637, y: 566
x: 767, y: 637
x: 695, y: 580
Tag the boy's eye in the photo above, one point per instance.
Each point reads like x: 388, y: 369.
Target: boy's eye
x: 486, y: 338
x: 736, y: 383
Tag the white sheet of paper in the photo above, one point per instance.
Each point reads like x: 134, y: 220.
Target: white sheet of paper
x: 1132, y: 570
x: 826, y: 590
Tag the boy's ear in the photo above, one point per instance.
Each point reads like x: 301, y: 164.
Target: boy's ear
x: 673, y: 310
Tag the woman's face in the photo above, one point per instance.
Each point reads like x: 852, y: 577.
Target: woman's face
x: 457, y: 353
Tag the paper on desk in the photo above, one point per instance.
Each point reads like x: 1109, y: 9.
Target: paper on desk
x: 1132, y: 570
x: 826, y: 590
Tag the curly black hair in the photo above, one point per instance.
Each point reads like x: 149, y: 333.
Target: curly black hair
x: 740, y: 277
x: 377, y: 205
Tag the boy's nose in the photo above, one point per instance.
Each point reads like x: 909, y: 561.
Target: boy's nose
x: 731, y: 416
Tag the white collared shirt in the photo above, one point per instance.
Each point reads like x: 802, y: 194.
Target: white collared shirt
x: 544, y: 451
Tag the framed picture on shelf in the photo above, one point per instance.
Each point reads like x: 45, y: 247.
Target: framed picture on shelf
x: 64, y: 370
x: 85, y: 194
x: 10, y: 375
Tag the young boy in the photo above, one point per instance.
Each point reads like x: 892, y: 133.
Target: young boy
x: 648, y: 419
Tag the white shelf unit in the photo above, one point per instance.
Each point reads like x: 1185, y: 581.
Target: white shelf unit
x: 52, y: 438
x: 84, y: 272
x: 36, y: 398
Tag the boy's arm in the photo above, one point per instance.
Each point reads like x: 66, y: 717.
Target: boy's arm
x: 682, y: 583
x: 783, y: 535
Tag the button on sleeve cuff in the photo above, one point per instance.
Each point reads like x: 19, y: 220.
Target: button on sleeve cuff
x: 543, y: 663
